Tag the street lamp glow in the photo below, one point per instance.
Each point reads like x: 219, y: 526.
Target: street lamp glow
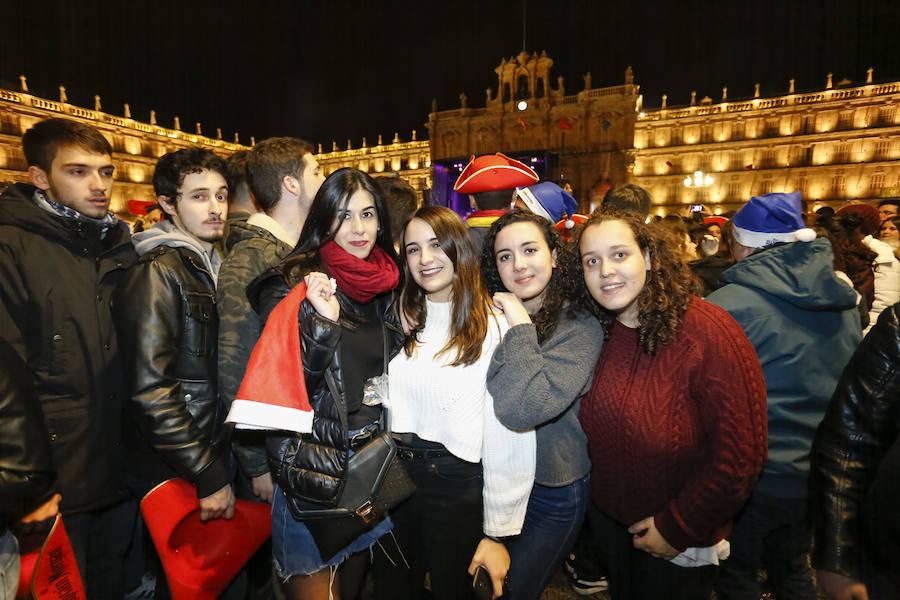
x: 522, y: 105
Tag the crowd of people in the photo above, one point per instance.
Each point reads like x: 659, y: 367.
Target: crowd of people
x: 668, y: 406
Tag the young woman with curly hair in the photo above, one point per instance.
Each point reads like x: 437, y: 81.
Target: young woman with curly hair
x: 675, y: 416
x: 473, y: 475
x: 537, y: 376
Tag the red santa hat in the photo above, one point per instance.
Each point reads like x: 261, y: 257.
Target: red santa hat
x: 201, y: 558
x: 273, y: 392
x: 493, y: 172
x: 50, y: 572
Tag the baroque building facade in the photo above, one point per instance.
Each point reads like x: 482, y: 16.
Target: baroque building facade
x: 136, y: 145
x: 409, y: 160
x: 586, y: 136
x: 837, y: 145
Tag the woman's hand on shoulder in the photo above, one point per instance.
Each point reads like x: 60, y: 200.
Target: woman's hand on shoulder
x: 512, y: 308
x: 320, y: 293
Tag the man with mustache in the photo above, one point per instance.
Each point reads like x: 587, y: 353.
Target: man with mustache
x: 166, y: 319
x: 61, y: 255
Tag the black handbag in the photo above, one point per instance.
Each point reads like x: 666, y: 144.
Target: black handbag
x: 376, y: 482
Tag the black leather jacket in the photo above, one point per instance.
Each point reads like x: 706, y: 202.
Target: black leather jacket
x: 166, y: 319
x: 309, y: 468
x: 861, y: 424
x: 26, y: 469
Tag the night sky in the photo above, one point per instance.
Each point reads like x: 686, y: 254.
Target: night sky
x: 335, y: 70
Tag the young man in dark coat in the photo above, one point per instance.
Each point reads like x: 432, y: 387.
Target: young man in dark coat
x: 166, y: 318
x: 62, y: 252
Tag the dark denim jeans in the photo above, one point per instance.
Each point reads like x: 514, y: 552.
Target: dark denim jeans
x: 635, y: 575
x: 437, y: 531
x: 554, y: 517
x: 775, y: 534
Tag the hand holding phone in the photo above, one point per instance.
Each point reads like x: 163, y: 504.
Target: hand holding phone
x: 482, y: 586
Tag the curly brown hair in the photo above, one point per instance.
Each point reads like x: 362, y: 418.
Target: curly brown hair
x: 668, y: 291
x: 560, y: 291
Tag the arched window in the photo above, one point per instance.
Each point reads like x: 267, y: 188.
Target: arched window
x: 539, y: 88
x: 522, y: 89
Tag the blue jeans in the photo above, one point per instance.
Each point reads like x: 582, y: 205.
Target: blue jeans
x: 552, y: 522
x: 9, y: 566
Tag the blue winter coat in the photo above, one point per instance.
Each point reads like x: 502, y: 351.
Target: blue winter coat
x: 802, y: 321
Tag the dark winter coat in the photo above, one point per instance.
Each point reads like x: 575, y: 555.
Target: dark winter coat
x: 253, y: 251
x: 56, y: 279
x: 803, y: 324
x: 26, y: 467
x: 310, y: 467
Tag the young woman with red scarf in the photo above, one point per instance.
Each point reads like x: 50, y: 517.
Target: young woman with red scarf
x: 346, y: 335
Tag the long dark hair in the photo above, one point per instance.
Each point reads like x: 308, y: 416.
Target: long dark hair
x: 470, y: 309
x: 559, y: 288
x: 322, y: 222
x: 667, y: 292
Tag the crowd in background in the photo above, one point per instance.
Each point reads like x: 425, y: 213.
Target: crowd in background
x: 669, y: 406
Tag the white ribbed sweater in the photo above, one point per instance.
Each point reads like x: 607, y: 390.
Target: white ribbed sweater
x: 451, y: 405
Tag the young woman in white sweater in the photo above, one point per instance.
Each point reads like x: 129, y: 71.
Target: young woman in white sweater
x: 473, y: 475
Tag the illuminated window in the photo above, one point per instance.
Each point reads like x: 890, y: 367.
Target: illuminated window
x: 846, y: 121
x: 838, y: 186
x: 842, y: 155
x: 876, y: 182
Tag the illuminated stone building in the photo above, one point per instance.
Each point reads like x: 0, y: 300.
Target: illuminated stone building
x: 836, y: 145
x: 136, y: 145
x: 409, y: 160
x: 587, y: 137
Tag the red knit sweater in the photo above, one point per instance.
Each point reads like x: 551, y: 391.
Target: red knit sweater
x: 680, y: 435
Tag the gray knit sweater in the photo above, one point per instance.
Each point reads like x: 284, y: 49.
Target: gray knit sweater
x: 540, y: 386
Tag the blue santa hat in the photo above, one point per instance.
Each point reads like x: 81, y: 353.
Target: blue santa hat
x: 771, y: 219
x: 550, y: 201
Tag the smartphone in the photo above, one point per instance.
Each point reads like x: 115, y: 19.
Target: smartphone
x: 482, y: 586
x: 696, y: 207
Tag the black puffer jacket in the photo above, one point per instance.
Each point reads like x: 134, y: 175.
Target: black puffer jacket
x: 165, y: 315
x: 310, y: 467
x: 859, y: 428
x: 26, y: 469
x: 56, y: 278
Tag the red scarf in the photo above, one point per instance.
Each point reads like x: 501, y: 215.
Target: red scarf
x: 273, y: 392
x: 360, y: 279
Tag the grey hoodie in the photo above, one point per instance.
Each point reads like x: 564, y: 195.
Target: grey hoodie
x: 165, y: 233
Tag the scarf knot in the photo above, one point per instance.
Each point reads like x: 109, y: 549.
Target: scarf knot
x: 362, y: 280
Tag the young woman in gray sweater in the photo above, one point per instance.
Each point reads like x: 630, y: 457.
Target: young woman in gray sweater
x: 537, y: 376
